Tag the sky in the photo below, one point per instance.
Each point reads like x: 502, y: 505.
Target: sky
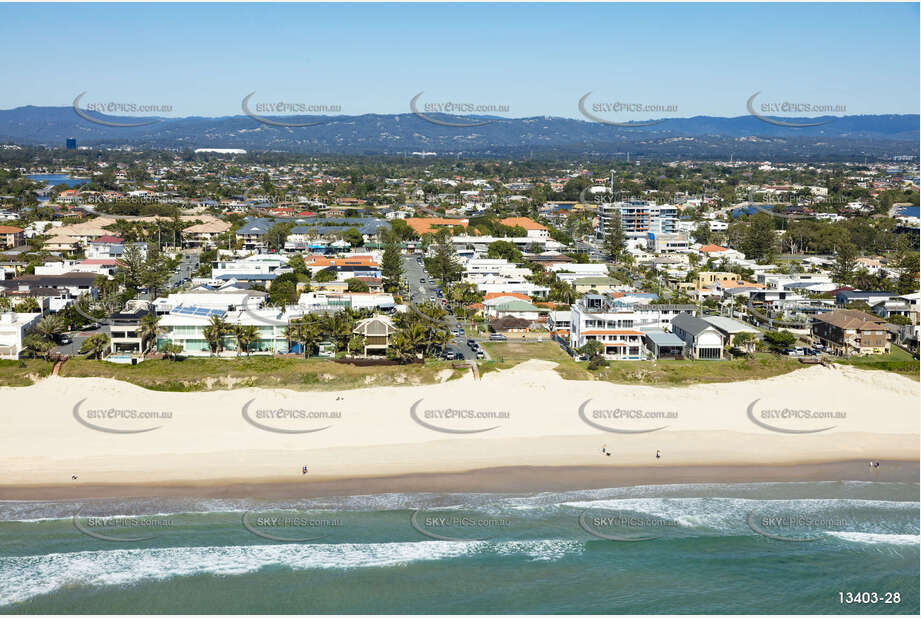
x: 536, y: 59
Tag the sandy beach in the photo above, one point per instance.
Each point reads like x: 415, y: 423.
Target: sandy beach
x: 524, y: 427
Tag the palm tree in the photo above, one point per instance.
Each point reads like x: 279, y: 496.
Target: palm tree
x: 416, y: 337
x: 39, y: 347
x: 94, y: 346
x: 401, y: 347
x: 245, y: 336
x: 214, y: 333
x: 28, y: 305
x: 149, y: 328
x: 50, y: 326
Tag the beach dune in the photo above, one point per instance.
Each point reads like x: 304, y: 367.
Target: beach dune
x: 113, y: 433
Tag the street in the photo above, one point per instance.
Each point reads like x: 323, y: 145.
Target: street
x: 413, y: 274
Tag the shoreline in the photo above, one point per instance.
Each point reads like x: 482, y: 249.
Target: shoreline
x: 508, y: 479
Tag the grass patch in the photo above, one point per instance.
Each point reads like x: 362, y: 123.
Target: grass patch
x: 23, y: 372
x: 897, y: 361
x: 664, y: 372
x: 206, y: 374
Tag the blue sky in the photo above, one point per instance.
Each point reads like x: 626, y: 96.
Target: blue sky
x: 538, y: 59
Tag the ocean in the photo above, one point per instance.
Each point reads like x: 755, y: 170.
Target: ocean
x: 789, y: 548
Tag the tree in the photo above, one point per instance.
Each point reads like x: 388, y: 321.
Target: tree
x: 614, y: 239
x: 132, y: 266
x: 779, y: 340
x: 38, y: 346
x: 443, y: 264
x: 504, y: 249
x: 325, y: 275
x: 353, y: 237
x: 391, y: 263
x: 283, y: 290
x: 27, y: 305
x: 149, y: 328
x: 357, y: 285
x: 171, y: 350
x: 760, y: 242
x: 356, y: 344
x: 845, y: 261
x: 592, y: 349
x: 277, y: 234
x: 245, y: 336
x: 297, y: 264
x: 95, y: 346
x: 50, y: 327
x: 746, y: 341
x: 906, y: 267
x: 214, y: 333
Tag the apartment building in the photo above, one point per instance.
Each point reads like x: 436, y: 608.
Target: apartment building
x: 638, y: 218
x: 11, y: 236
x: 619, y: 326
x: 847, y: 332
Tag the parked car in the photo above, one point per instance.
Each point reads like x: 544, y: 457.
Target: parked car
x: 450, y: 355
x: 91, y: 326
x: 421, y: 280
x: 64, y: 340
x: 472, y: 344
x: 498, y: 337
x: 480, y: 353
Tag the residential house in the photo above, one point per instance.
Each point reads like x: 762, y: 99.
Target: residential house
x: 127, y: 345
x: 13, y: 328
x: 702, y: 340
x: 662, y: 345
x: 377, y: 331
x: 730, y: 328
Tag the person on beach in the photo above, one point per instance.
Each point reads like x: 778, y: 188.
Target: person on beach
x: 658, y: 454
x: 304, y: 470
x: 73, y: 477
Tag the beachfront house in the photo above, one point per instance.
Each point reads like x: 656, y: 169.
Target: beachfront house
x: 847, y: 332
x: 126, y: 344
x: 13, y: 328
x: 702, y: 340
x: 662, y: 344
x: 377, y: 331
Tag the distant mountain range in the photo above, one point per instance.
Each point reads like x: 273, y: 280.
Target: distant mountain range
x: 743, y: 137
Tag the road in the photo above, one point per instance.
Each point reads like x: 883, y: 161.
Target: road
x: 413, y: 274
